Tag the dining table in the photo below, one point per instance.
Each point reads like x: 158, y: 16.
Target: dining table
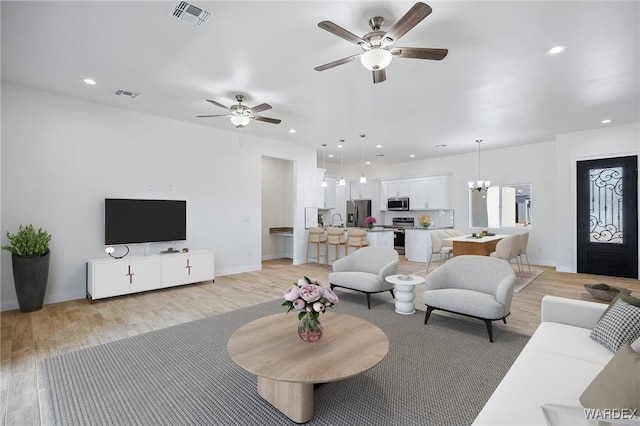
x: 473, y: 245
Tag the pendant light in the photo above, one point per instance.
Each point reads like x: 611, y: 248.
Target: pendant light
x: 480, y: 185
x: 363, y: 179
x: 341, y: 146
x: 324, y: 151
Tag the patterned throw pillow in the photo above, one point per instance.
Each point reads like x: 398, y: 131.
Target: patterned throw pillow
x: 620, y: 325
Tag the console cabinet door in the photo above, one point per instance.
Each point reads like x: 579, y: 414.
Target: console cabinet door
x: 111, y: 279
x: 146, y: 274
x: 174, y: 269
x: 200, y: 267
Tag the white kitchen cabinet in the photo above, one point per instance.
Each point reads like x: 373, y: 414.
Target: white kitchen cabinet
x: 360, y: 191
x: 330, y: 194
x: 418, y: 189
x: 417, y: 245
x: 384, y: 194
x: 438, y: 193
x: 380, y: 238
x: 398, y: 188
x: 186, y: 268
x: 428, y: 193
x: 115, y: 277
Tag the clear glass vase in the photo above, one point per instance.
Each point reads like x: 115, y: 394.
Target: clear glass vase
x: 309, y: 328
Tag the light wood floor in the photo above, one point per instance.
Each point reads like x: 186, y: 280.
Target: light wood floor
x: 27, y: 338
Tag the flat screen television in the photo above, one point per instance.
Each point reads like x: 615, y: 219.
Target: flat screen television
x: 128, y: 221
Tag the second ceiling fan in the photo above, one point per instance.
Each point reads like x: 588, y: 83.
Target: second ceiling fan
x: 377, y: 45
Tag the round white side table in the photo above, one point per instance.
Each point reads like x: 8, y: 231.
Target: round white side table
x: 405, y: 292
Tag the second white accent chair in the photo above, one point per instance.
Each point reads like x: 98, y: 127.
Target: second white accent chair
x: 508, y: 249
x: 437, y: 247
x: 524, y: 241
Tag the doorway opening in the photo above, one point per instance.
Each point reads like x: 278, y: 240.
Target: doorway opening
x: 277, y: 208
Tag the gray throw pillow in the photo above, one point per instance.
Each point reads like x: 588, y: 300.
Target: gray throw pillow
x: 617, y: 386
x: 619, y: 325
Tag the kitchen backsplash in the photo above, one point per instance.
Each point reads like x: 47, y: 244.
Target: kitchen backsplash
x: 439, y: 218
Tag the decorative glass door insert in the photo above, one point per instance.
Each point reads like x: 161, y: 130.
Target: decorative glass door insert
x: 606, y: 213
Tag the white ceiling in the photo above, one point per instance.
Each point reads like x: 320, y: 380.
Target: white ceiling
x: 496, y: 84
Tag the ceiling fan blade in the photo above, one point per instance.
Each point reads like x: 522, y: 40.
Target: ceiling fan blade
x: 340, y: 32
x: 417, y: 13
x: 336, y: 63
x: 379, y: 76
x: 267, y: 119
x: 217, y: 104
x: 419, y: 53
x: 216, y: 115
x: 259, y: 108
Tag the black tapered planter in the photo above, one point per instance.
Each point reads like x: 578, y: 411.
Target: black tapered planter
x: 30, y: 275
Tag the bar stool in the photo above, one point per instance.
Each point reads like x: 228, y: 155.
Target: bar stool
x: 317, y: 236
x: 357, y: 238
x: 336, y: 238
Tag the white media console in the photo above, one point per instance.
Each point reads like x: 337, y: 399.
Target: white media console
x: 115, y: 277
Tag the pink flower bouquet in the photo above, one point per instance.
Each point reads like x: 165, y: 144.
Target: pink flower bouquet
x: 309, y: 297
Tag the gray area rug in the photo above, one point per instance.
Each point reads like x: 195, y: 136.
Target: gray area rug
x: 441, y: 373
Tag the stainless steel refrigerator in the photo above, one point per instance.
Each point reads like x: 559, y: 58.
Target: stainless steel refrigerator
x: 357, y: 211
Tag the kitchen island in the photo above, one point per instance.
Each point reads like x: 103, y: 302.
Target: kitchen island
x: 380, y: 237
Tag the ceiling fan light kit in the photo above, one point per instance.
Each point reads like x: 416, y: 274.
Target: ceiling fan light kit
x: 241, y: 115
x: 376, y: 59
x: 377, y: 45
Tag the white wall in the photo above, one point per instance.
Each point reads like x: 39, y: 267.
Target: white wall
x: 61, y: 157
x: 277, y: 206
x: 571, y: 148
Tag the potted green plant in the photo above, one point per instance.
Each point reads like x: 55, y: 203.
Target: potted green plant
x: 30, y: 260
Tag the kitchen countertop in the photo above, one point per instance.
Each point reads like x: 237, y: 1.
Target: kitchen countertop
x: 286, y: 231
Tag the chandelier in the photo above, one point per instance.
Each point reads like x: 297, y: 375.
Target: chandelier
x: 479, y: 185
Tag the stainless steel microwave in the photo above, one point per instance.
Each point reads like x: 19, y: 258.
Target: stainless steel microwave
x: 398, y: 203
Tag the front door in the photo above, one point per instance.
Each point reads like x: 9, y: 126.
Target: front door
x: 607, y: 234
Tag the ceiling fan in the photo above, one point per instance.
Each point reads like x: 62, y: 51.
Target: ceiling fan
x: 377, y: 45
x: 241, y: 114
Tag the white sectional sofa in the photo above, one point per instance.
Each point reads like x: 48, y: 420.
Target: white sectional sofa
x: 555, y: 367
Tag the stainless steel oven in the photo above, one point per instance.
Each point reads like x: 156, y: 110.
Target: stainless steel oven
x: 398, y: 203
x: 399, y: 225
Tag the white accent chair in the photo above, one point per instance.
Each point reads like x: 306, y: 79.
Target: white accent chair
x: 475, y: 286
x: 437, y: 247
x: 365, y: 270
x: 507, y: 249
x: 524, y: 241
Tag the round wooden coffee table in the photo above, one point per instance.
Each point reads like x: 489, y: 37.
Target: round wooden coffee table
x: 287, y: 368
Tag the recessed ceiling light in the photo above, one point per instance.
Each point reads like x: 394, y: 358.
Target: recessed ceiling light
x: 367, y: 162
x: 378, y: 146
x: 340, y: 146
x: 556, y: 49
x: 292, y: 130
x: 89, y: 81
x: 412, y: 155
x: 330, y: 155
x: 606, y: 121
x: 441, y: 145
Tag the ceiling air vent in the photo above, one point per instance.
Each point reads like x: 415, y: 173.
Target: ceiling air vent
x: 132, y: 95
x: 191, y: 14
